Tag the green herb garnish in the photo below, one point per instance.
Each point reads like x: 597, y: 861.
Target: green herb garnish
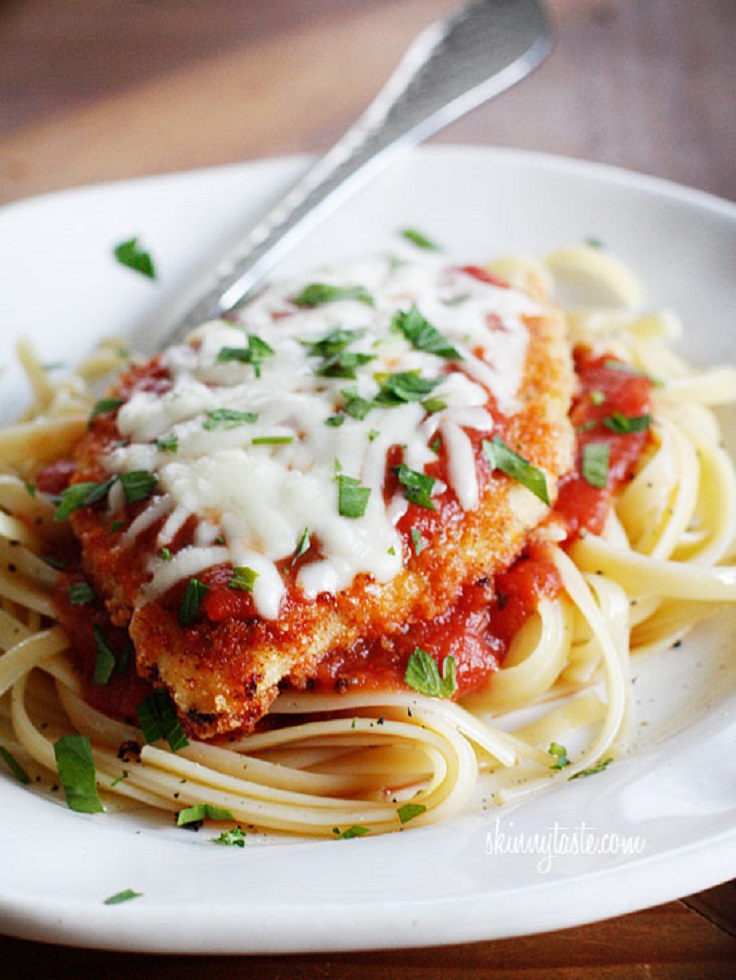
x: 512, y: 464
x: 419, y: 239
x: 227, y: 417
x: 202, y: 811
x: 319, y: 293
x: 157, y: 718
x: 598, y: 767
x: 193, y: 596
x: 124, y: 896
x: 402, y: 387
x: 422, y: 335
x: 423, y: 674
x: 355, y: 831
x: 624, y: 424
x: 417, y: 486
x: 352, y: 498
x: 255, y: 353
x: 409, y: 811
x: 596, y: 457
x: 76, y: 769
x: 559, y: 754
x: 243, y: 578
x: 167, y: 444
x: 104, y: 405
x: 81, y: 495
x: 137, y: 485
x: 105, y: 662
x: 80, y: 594
x: 235, y: 837
x: 130, y: 254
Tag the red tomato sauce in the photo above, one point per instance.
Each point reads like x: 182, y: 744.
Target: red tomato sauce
x: 607, y: 388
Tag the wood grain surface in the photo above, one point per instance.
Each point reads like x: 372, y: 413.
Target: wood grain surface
x: 96, y: 90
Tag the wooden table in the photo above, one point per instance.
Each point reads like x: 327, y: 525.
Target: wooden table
x: 94, y: 91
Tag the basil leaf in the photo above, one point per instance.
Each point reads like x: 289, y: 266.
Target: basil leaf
x: 352, y: 498
x: 76, y: 769
x: 80, y: 594
x: 255, y: 353
x: 423, y: 674
x: 103, y: 406
x: 409, y: 811
x: 418, y: 540
x: 624, y: 424
x: 355, y: 406
x: 502, y: 458
x: 243, y: 578
x: 355, y: 831
x: 319, y: 293
x: 227, y: 417
x: 402, y: 387
x: 559, y: 754
x: 80, y: 495
x: 596, y: 457
x: 124, y: 896
x: 130, y: 254
x: 235, y: 837
x: 105, y: 662
x: 202, y: 811
x: 598, y: 767
x: 419, y: 239
x: 137, y: 485
x: 417, y: 486
x: 193, y: 596
x: 167, y: 444
x: 422, y: 335
x: 14, y: 766
x: 157, y: 718
x: 303, y: 545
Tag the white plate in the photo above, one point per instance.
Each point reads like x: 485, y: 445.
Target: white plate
x: 558, y: 860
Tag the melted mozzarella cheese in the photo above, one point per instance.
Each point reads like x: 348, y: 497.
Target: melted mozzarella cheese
x: 254, y: 442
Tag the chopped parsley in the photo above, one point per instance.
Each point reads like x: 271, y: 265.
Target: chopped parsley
x: 255, y: 353
x: 419, y: 239
x: 352, y: 498
x: 191, y: 600
x: 167, y: 444
x: 303, y: 544
x: 124, y: 896
x: 105, y: 662
x: 422, y: 335
x: 137, y: 485
x: 418, y: 540
x: 355, y: 406
x: 200, y: 812
x: 598, y: 767
x: 423, y: 674
x: 157, y: 718
x: 559, y: 754
x: 408, y: 811
x: 130, y: 254
x: 624, y: 424
x: 319, y: 293
x: 402, y: 387
x: 243, y: 578
x: 81, y: 495
x: 103, y: 406
x: 80, y: 594
x: 596, y: 457
x: 272, y: 440
x: 235, y: 837
x: 417, y: 486
x: 227, y: 417
x: 512, y: 464
x: 76, y: 769
x: 355, y: 831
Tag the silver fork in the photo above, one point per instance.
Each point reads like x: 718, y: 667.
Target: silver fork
x: 454, y: 65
